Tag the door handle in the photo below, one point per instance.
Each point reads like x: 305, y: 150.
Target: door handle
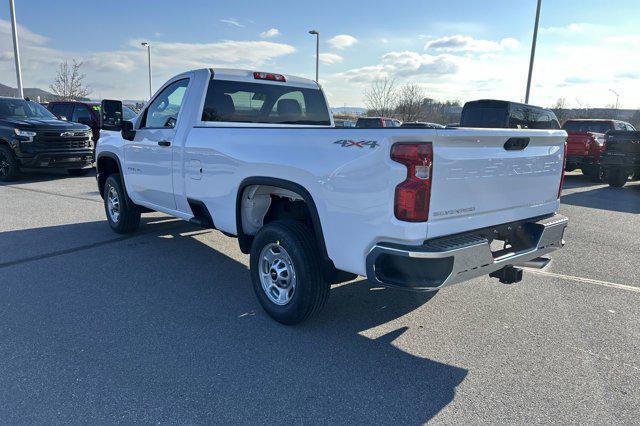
x: 516, y: 144
x: 164, y: 143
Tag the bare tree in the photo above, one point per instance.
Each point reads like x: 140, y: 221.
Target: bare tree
x: 69, y: 82
x: 560, y: 110
x: 381, y: 98
x: 409, y: 104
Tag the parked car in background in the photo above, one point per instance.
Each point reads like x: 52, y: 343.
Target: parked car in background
x: 586, y: 141
x: 345, y: 123
x: 421, y: 125
x: 377, y: 122
x: 408, y: 208
x: 32, y: 137
x: 87, y: 113
x: 621, y: 157
x: 496, y: 114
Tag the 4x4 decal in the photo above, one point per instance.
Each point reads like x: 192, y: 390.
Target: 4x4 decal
x: 346, y: 143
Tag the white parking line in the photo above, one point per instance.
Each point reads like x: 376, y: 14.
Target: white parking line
x: 586, y: 280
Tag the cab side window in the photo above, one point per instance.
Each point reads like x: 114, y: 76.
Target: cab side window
x: 62, y: 111
x: 81, y: 112
x: 163, y: 111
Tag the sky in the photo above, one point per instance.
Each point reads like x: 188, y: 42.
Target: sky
x: 455, y: 50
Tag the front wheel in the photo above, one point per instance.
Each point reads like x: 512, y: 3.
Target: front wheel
x: 123, y: 216
x: 286, y: 273
x: 8, y: 164
x: 617, y: 177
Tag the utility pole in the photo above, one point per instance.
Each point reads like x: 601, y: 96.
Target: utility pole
x: 148, y: 46
x: 16, y: 51
x: 317, y: 34
x: 533, y: 51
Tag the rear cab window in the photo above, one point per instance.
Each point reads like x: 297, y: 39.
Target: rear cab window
x: 369, y: 123
x: 247, y: 102
x: 578, y: 126
x: 485, y: 116
x: 503, y: 114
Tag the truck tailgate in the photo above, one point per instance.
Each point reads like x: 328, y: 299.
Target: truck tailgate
x: 475, y: 176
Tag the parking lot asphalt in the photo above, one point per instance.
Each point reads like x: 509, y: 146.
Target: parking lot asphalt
x: 163, y: 326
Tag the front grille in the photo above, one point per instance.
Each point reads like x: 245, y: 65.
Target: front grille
x: 64, y: 144
x: 50, y: 140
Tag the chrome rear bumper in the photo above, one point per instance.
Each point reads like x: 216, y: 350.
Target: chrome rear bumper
x: 458, y: 258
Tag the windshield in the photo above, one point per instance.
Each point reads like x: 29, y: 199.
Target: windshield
x: 587, y: 126
x: 19, y: 108
x: 128, y: 113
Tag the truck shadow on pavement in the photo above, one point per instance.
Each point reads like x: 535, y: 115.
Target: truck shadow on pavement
x: 625, y: 200
x: 43, y: 175
x: 161, y: 327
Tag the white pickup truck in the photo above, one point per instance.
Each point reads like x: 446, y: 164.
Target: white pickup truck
x: 256, y: 156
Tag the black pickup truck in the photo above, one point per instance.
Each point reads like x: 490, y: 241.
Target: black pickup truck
x: 32, y: 137
x: 621, y: 157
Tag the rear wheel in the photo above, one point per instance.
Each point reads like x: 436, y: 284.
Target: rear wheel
x: 78, y: 172
x: 286, y: 273
x: 590, y: 172
x: 8, y: 164
x: 123, y: 216
x: 617, y: 177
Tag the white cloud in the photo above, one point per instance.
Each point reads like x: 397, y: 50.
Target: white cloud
x: 342, y: 41
x: 461, y: 43
x: 233, y: 22
x: 121, y: 73
x: 24, y: 34
x: 223, y: 53
x: 330, y: 58
x: 572, y: 29
x: 272, y: 32
x: 402, y: 65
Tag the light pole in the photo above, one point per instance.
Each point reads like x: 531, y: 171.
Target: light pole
x: 148, y: 46
x: 16, y: 52
x: 533, y: 51
x: 317, y: 34
x: 617, y: 97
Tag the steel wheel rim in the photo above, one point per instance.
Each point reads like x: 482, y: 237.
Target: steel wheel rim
x: 4, y: 164
x: 113, y: 204
x: 277, y: 274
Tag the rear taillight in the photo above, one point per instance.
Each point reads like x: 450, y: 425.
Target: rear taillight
x: 412, y: 196
x: 564, y: 164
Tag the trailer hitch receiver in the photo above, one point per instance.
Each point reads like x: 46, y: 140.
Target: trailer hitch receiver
x: 508, y: 275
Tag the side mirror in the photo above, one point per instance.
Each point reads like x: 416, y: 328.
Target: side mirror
x: 128, y: 132
x: 111, y: 116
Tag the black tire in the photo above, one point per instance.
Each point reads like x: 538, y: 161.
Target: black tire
x: 590, y: 171
x: 311, y: 290
x: 598, y: 175
x: 128, y: 218
x: 8, y: 164
x: 78, y: 172
x: 617, y: 177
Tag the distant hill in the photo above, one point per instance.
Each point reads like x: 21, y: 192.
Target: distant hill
x: 29, y: 92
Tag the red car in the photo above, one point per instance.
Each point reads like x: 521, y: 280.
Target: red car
x: 586, y: 143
